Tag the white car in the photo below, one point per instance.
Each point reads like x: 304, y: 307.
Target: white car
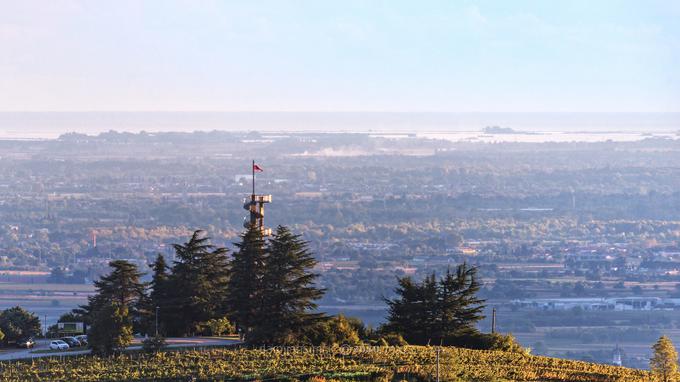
x: 58, y: 345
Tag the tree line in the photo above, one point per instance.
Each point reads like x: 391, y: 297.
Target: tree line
x: 266, y: 291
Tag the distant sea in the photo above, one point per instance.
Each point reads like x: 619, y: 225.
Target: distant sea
x: 452, y: 126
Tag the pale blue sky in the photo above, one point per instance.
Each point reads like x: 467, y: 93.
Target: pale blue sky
x: 457, y: 56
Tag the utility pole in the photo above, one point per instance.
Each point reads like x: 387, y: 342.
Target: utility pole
x: 439, y: 348
x: 157, y: 307
x: 493, y: 321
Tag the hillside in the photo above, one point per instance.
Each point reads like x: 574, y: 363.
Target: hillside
x: 415, y: 363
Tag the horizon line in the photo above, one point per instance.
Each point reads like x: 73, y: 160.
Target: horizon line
x: 337, y: 112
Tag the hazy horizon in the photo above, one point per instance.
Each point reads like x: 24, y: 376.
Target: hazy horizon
x: 53, y: 124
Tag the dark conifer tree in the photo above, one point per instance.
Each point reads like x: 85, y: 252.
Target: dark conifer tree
x: 197, y: 287
x: 246, y: 280
x: 122, y: 285
x: 414, y: 313
x: 159, y: 294
x: 115, y: 307
x: 436, y: 311
x: 288, y: 291
x: 462, y: 288
x: 111, y: 330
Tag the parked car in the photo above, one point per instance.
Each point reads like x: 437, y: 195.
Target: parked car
x: 82, y: 339
x: 27, y: 342
x: 71, y: 341
x: 58, y: 345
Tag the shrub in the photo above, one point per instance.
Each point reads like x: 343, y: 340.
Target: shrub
x: 154, y: 344
x: 336, y: 331
x: 216, y: 327
x: 392, y: 339
x: 483, y: 341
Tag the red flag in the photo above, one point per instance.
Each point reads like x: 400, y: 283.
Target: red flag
x: 257, y: 168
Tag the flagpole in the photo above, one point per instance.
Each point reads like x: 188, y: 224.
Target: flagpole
x: 253, y: 168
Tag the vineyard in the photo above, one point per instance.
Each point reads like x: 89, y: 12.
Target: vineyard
x: 412, y: 363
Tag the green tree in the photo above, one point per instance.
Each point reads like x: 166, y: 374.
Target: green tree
x: 288, y: 291
x: 414, y: 313
x: 459, y: 308
x: 197, y: 287
x: 159, y: 296
x: 246, y: 281
x: 121, y: 286
x: 159, y: 281
x: 17, y: 323
x: 115, y: 307
x: 111, y: 330
x: 436, y: 310
x: 664, y: 362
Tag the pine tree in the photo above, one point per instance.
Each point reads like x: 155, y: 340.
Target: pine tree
x: 246, y: 280
x: 460, y: 309
x: 121, y: 286
x: 664, y: 362
x: 111, y: 330
x: 115, y: 307
x: 414, y: 313
x: 159, y: 296
x: 436, y: 310
x: 197, y: 286
x: 288, y: 291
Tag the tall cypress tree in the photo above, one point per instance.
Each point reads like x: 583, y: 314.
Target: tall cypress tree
x: 198, y: 283
x: 246, y: 280
x: 159, y: 294
x: 288, y: 291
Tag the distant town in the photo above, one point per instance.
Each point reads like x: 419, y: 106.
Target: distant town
x: 574, y: 230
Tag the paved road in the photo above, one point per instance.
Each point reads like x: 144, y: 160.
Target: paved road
x: 13, y: 354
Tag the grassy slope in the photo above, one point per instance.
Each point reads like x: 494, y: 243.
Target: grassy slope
x: 411, y: 362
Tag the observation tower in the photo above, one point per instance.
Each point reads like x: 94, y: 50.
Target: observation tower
x: 255, y: 205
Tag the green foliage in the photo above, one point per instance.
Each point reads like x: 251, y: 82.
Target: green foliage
x: 111, y: 330
x: 434, y: 311
x: 70, y: 317
x: 335, y: 331
x: 664, y: 362
x: 246, y: 280
x: 17, y: 323
x: 216, y: 327
x: 391, y: 339
x: 505, y: 342
x: 196, y: 290
x: 115, y: 307
x: 362, y: 330
x: 159, y: 296
x: 154, y: 344
x: 287, y: 291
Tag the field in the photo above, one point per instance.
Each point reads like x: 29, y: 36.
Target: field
x: 414, y: 363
